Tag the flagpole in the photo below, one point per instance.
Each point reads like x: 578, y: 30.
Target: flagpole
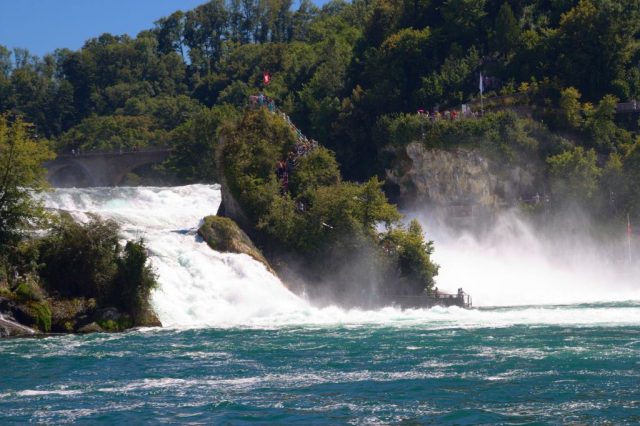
x: 481, y: 98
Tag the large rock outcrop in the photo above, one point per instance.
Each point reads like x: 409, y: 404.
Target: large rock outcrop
x: 461, y: 176
x: 224, y: 235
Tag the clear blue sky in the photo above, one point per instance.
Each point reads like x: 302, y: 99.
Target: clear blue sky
x: 44, y: 25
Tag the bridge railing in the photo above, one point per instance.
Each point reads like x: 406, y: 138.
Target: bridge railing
x: 97, y: 153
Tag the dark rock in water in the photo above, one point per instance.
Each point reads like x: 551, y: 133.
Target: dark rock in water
x: 16, y: 312
x: 148, y: 318
x: 108, y: 314
x: 91, y: 328
x: 224, y: 235
x: 68, y: 315
x: 10, y: 328
x: 29, y: 310
x: 110, y: 319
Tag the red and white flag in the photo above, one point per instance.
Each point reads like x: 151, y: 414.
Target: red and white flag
x: 266, y: 78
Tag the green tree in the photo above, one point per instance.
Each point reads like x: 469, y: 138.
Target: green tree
x: 594, y: 42
x: 21, y: 175
x: 464, y: 18
x: 507, y: 30
x: 194, y: 144
x: 417, y: 271
x: 574, y: 175
x: 601, y: 128
x: 80, y: 260
x: 169, y: 32
x: 571, y: 107
x: 382, y: 22
x: 205, y: 29
x: 5, y: 62
x: 134, y: 281
x: 318, y: 168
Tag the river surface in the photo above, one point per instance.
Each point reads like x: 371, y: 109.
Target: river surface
x: 238, y: 347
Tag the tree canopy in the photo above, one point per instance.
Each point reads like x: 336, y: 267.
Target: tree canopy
x: 21, y: 175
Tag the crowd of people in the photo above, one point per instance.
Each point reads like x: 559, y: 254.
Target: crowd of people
x: 454, y: 114
x: 260, y: 101
x: 303, y: 145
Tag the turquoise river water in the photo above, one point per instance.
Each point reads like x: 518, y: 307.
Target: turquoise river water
x: 420, y: 372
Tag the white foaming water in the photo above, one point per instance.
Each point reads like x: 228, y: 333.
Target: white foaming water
x: 516, y: 264
x: 199, y: 287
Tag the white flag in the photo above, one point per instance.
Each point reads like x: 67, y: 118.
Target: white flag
x: 481, y: 84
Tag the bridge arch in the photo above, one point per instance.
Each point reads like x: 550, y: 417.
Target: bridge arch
x: 69, y: 175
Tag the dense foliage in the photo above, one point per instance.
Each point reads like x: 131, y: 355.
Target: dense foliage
x: 338, y: 71
x: 75, y: 263
x: 326, y: 224
x: 21, y: 174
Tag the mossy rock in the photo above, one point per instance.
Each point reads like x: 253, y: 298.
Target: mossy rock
x: 112, y: 326
x: 65, y: 313
x: 28, y: 308
x: 112, y: 320
x: 29, y: 290
x: 224, y: 235
x: 41, y: 314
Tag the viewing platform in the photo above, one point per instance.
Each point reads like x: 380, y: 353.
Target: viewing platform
x: 461, y: 300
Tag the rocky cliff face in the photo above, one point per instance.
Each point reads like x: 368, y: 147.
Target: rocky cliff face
x: 229, y: 207
x: 459, y: 177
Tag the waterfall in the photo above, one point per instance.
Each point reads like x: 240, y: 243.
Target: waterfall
x: 199, y: 287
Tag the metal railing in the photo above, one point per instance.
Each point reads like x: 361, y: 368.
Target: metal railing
x: 97, y: 153
x: 441, y: 299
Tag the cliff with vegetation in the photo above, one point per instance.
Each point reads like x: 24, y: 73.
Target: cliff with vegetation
x: 575, y: 154
x: 339, y: 240
x: 490, y: 162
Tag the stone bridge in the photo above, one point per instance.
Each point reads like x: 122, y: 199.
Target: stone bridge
x: 100, y: 168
